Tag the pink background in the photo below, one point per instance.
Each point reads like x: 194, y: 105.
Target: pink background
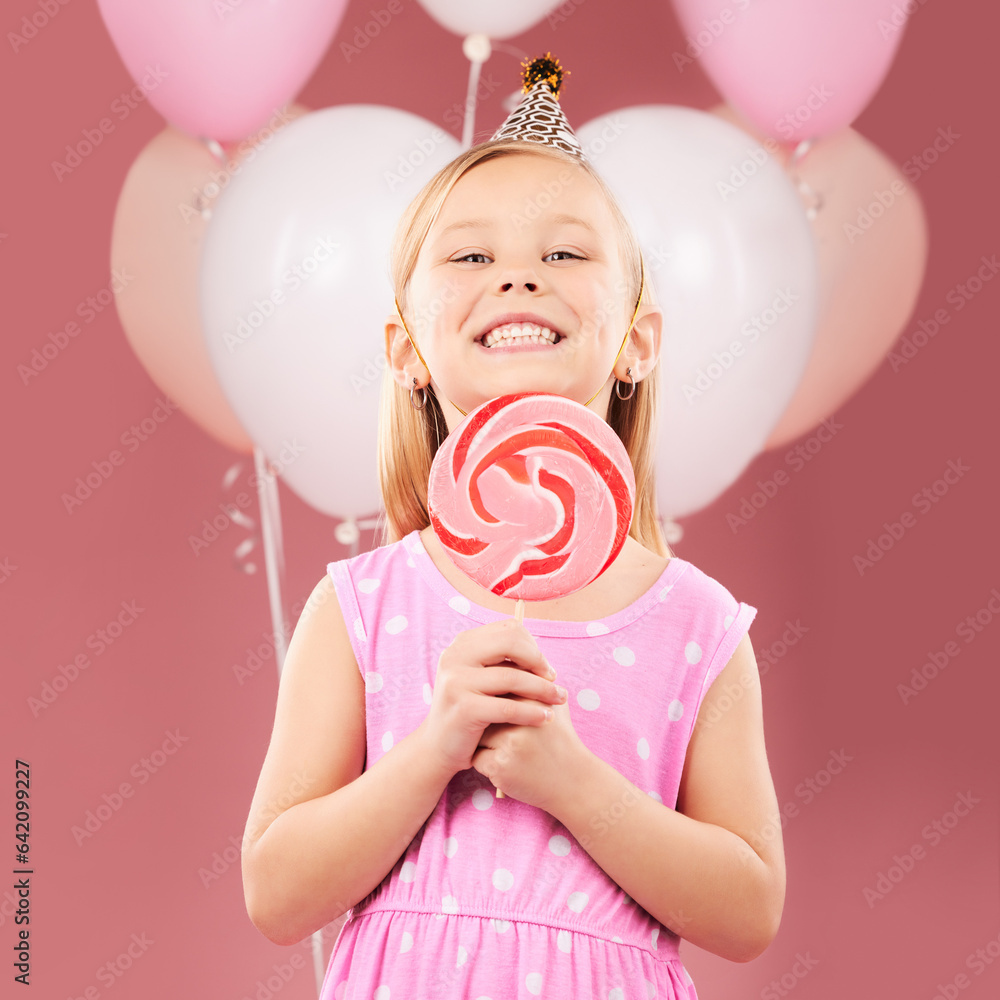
x: 172, y: 670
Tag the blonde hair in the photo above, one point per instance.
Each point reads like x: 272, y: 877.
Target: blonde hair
x: 408, y: 438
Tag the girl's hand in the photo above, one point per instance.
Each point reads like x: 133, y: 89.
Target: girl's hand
x: 474, y: 673
x: 531, y: 763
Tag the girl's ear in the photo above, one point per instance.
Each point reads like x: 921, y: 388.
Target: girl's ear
x: 402, y: 358
x: 643, y: 348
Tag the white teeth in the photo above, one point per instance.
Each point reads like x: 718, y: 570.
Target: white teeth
x: 529, y: 332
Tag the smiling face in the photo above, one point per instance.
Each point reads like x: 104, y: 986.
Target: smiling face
x: 519, y: 286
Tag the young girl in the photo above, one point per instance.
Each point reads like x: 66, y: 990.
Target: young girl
x: 623, y: 723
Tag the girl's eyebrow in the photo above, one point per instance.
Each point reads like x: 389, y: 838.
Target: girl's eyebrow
x: 560, y: 220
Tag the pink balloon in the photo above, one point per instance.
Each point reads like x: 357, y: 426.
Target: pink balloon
x: 220, y: 69
x: 795, y: 68
x: 872, y: 254
x: 163, y: 210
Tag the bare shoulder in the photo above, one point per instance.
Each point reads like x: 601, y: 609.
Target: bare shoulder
x: 318, y: 738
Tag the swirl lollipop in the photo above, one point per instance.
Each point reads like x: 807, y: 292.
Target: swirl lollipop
x: 531, y: 496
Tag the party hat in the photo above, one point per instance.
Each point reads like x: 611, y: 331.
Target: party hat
x: 538, y: 117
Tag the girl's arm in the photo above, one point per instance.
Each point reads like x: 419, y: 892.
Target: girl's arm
x: 713, y: 870
x: 322, y: 833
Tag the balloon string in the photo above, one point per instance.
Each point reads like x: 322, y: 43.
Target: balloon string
x: 813, y: 199
x: 470, y: 103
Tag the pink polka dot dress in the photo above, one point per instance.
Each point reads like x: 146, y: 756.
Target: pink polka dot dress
x: 495, y: 899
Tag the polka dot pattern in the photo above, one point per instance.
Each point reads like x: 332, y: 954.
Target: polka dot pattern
x: 460, y: 604
x: 396, y: 625
x: 487, y: 878
x: 559, y: 845
x: 503, y: 879
x: 482, y: 798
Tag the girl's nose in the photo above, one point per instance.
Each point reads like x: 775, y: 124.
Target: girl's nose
x: 529, y: 285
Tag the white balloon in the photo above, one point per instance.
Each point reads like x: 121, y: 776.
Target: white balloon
x: 731, y: 256
x: 489, y: 17
x: 294, y: 291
